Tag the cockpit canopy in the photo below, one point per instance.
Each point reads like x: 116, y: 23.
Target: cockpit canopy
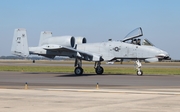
x: 147, y: 42
x: 133, y: 34
x: 133, y: 38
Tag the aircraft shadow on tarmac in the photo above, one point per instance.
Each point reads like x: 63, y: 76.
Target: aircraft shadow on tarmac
x: 64, y: 74
x: 73, y: 75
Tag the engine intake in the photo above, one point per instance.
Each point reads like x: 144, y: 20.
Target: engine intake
x: 80, y: 40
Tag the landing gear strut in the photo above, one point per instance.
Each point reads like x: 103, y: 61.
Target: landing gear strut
x: 78, y: 64
x: 99, y: 70
x: 138, y: 67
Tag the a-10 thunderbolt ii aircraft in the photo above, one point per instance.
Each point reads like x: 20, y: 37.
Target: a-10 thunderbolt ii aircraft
x: 130, y: 47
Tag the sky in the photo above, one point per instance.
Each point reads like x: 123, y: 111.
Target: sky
x: 97, y: 20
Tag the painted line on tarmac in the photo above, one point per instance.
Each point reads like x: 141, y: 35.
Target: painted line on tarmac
x: 123, y: 91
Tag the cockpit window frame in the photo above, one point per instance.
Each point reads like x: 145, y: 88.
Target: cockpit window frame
x: 129, y: 36
x: 146, y: 42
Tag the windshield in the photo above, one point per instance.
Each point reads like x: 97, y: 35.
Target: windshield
x: 147, y: 42
x: 133, y: 34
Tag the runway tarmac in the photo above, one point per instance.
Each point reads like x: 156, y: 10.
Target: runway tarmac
x: 17, y: 79
x: 66, y: 92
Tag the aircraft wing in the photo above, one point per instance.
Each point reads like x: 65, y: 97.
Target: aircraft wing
x: 72, y: 52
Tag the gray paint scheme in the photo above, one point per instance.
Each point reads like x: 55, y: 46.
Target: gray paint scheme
x: 74, y: 47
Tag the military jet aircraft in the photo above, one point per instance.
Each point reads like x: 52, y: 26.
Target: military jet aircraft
x: 130, y: 47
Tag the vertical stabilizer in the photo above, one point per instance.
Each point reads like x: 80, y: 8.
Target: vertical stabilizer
x: 20, y: 44
x: 44, y: 35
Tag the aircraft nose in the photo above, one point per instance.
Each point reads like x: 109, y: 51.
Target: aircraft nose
x: 163, y: 55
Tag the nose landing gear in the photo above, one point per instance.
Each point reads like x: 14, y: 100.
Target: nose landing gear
x: 138, y: 67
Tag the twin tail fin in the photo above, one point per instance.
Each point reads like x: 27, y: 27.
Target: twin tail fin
x: 20, y: 44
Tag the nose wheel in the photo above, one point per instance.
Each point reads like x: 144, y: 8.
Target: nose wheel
x: 140, y: 73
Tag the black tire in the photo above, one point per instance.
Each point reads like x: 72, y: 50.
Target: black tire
x: 78, y: 71
x: 33, y: 61
x: 99, y: 70
x: 140, y: 73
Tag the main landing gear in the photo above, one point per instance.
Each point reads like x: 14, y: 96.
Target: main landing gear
x: 78, y: 64
x: 79, y: 71
x: 99, y: 70
x: 138, y: 67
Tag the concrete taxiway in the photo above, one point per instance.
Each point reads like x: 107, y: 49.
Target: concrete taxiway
x: 78, y: 100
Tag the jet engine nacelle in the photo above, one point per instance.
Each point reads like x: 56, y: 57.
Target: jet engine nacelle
x: 80, y: 40
x: 151, y: 60
x: 68, y: 41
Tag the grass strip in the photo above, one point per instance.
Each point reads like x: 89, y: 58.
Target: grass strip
x: 87, y: 70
